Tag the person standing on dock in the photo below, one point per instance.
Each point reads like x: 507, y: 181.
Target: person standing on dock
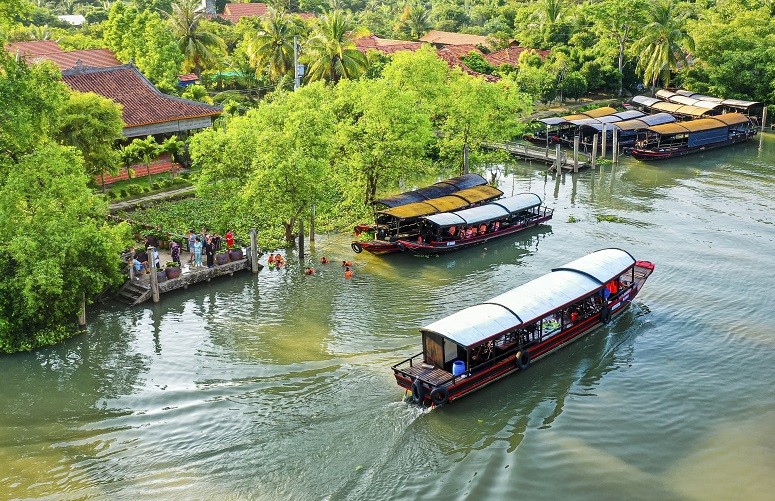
x: 191, y: 243
x: 210, y: 252
x: 229, y: 236
x: 175, y: 252
x: 198, y: 252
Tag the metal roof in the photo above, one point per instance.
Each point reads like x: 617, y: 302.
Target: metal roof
x: 437, y: 190
x: 629, y: 114
x: 486, y: 212
x: 700, y: 125
x: 532, y: 300
x: 665, y: 106
x: 599, y: 112
x: 732, y: 118
x: 553, y: 121
x: 645, y: 100
x: 739, y: 104
x: 664, y: 94
x: 645, y: 122
x: 454, y: 201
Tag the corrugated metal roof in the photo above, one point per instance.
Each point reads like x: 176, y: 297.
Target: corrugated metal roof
x: 553, y: 120
x: 665, y: 106
x: 692, y: 111
x: 532, y: 300
x: 646, y: 121
x: 487, y: 212
x: 732, y: 118
x: 672, y: 128
x: 664, y: 94
x: 703, y: 124
x: 645, y: 100
x: 599, y: 112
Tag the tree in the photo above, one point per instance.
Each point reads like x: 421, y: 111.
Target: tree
x: 414, y: 21
x: 142, y: 150
x: 92, y: 124
x: 56, y: 247
x: 330, y: 53
x: 271, y: 49
x: 574, y: 85
x: 665, y: 43
x: 382, y: 137
x: 199, y: 47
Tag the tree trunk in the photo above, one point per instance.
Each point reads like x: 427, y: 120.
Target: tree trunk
x: 289, y: 230
x: 621, y: 67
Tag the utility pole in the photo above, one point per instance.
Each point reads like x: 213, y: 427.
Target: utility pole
x: 298, y: 69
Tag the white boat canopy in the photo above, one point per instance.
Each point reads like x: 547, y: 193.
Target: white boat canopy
x: 645, y: 100
x: 486, y: 212
x: 532, y: 300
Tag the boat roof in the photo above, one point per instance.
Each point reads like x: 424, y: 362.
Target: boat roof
x: 553, y: 121
x: 683, y: 96
x: 646, y: 121
x: 532, y: 300
x: 599, y: 112
x: 436, y: 190
x: 702, y: 124
x: 580, y: 118
x: 446, y: 203
x: 737, y: 103
x: 645, y: 100
x: 486, y: 212
x: 664, y: 94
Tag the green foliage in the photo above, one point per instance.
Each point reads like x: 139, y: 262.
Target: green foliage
x: 574, y: 85
x: 197, y: 92
x: 665, y: 43
x: 476, y: 62
x: 200, y: 48
x: 270, y: 49
x: 330, y: 53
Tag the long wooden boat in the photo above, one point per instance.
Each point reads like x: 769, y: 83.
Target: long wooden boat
x: 684, y: 138
x: 451, y: 231
x: 626, y: 130
x: 483, y: 343
x: 403, y: 221
x: 436, y: 190
x: 561, y: 130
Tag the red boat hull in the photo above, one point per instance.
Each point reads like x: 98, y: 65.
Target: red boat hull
x: 376, y: 247
x: 646, y: 155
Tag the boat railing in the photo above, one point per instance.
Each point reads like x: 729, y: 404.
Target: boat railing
x: 406, y: 361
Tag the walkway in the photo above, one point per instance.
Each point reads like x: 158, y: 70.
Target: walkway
x: 165, y: 195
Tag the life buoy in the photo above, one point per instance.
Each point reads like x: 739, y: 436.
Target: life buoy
x: 401, y: 247
x: 523, y: 359
x: 418, y: 392
x: 356, y: 247
x: 439, y: 396
x: 605, y: 314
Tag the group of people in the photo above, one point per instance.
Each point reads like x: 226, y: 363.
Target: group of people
x: 207, y: 243
x: 473, y: 230
x: 275, y: 261
x: 309, y: 270
x: 142, y: 259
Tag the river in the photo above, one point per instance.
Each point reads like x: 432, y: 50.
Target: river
x: 278, y: 386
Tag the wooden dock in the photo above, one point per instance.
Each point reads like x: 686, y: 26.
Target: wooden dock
x: 547, y: 156
x: 138, y: 289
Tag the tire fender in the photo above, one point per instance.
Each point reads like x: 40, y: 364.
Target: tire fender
x: 605, y: 314
x: 418, y: 392
x: 401, y: 246
x: 523, y: 359
x: 439, y: 396
x: 356, y: 247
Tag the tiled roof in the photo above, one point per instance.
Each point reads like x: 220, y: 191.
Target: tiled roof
x: 34, y: 48
x: 188, y: 77
x: 50, y: 51
x: 142, y: 103
x: 510, y: 55
x: 448, y: 38
x: 385, y: 45
x: 235, y: 11
x: 453, y: 55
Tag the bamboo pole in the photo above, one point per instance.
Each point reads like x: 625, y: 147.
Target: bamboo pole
x: 764, y: 117
x: 557, y: 158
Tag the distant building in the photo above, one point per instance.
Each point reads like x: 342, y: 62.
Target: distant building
x: 75, y: 20
x: 233, y: 12
x: 441, y: 39
x: 385, y: 45
x: 187, y: 79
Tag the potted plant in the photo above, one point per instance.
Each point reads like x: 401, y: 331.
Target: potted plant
x: 222, y: 258
x: 235, y: 253
x: 172, y: 270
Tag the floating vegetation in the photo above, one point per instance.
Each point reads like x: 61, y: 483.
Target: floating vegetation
x: 610, y: 218
x: 572, y: 219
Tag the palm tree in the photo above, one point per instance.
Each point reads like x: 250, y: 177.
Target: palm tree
x: 664, y: 45
x: 271, y: 49
x: 199, y: 47
x: 330, y: 53
x: 415, y: 20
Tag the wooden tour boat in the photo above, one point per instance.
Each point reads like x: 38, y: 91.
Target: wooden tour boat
x: 684, y: 138
x: 436, y: 190
x: 560, y: 130
x: 481, y: 344
x: 403, y: 221
x: 450, y: 231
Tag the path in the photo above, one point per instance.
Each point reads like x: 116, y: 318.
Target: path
x: 128, y: 204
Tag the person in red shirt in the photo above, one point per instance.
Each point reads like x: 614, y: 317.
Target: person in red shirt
x: 229, y: 236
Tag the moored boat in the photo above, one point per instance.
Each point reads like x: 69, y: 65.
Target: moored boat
x: 684, y: 138
x: 561, y: 130
x: 450, y: 231
x: 486, y: 342
x: 436, y: 190
x: 402, y: 222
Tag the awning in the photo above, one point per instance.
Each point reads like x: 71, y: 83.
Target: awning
x: 487, y: 212
x: 533, y: 300
x: 456, y: 200
x: 436, y: 190
x: 732, y: 118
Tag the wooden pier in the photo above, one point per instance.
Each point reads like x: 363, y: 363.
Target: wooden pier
x: 547, y: 156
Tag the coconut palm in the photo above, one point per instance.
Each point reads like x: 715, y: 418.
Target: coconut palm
x: 415, y: 20
x: 330, y: 53
x: 271, y: 49
x: 199, y: 47
x: 665, y: 43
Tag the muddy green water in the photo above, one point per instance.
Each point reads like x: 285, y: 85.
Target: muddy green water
x: 279, y: 386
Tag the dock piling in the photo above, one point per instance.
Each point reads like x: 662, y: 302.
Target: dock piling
x: 253, y: 251
x: 153, y: 278
x: 301, y: 242
x: 82, y: 312
x: 615, y: 149
x: 312, y: 225
x: 764, y: 117
x: 557, y: 158
x: 594, y: 151
x: 575, y: 153
x: 605, y: 140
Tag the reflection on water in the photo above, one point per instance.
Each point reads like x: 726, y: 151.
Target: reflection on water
x: 278, y: 386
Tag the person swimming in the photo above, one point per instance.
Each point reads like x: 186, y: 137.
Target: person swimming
x: 348, y: 273
x: 324, y: 260
x: 347, y: 263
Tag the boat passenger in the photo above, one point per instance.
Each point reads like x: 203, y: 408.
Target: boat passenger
x: 496, y: 226
x: 469, y: 232
x: 482, y: 229
x: 452, y: 231
x: 279, y: 262
x: 348, y: 273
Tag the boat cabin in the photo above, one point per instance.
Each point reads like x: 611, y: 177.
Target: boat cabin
x: 396, y: 222
x: 489, y: 218
x: 694, y: 134
x: 485, y: 342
